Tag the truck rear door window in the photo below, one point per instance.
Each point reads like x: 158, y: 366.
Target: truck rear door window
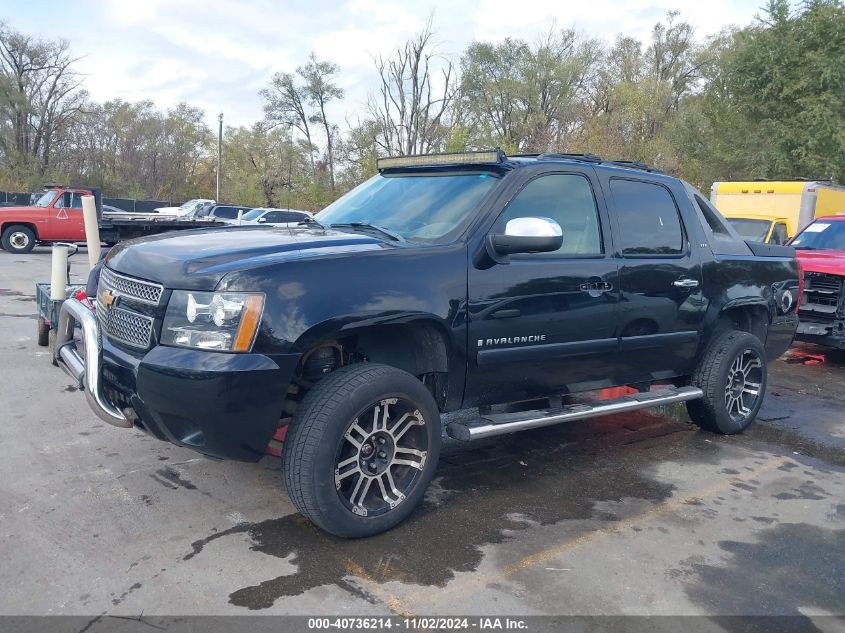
x: 648, y: 218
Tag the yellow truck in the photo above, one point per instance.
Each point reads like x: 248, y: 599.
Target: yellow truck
x: 774, y: 211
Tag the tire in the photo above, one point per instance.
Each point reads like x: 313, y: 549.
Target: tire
x: 18, y: 239
x: 339, y: 453
x: 51, y: 346
x: 732, y: 374
x: 43, y: 332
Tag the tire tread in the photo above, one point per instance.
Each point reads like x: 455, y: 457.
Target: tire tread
x: 704, y: 412
x: 309, y: 428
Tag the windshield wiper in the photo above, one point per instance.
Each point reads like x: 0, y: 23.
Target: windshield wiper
x: 366, y: 225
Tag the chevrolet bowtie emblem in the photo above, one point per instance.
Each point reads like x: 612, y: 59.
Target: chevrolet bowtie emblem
x: 107, y: 298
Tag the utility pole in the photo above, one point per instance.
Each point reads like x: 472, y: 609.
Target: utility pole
x: 219, y: 152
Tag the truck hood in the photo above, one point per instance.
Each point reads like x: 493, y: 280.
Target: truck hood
x: 22, y: 209
x: 829, y: 262
x: 199, y: 259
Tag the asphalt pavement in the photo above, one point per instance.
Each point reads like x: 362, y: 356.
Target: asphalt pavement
x: 630, y: 514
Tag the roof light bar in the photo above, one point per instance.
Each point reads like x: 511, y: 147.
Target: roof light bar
x: 457, y: 158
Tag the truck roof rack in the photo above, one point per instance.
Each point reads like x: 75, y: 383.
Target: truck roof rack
x: 592, y: 158
x: 498, y: 156
x: 632, y: 164
x: 586, y: 157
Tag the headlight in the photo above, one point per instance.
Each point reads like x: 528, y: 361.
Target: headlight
x: 225, y: 321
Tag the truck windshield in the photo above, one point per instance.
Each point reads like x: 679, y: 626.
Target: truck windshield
x: 45, y: 199
x: 253, y: 215
x: 426, y: 207
x: 751, y: 230
x: 821, y: 236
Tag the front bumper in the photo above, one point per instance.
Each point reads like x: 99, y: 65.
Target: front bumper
x: 826, y: 334
x: 220, y: 404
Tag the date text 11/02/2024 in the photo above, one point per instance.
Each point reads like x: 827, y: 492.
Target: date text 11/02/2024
x: 417, y: 623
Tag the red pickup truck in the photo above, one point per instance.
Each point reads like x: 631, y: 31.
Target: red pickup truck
x: 56, y: 216
x: 820, y: 249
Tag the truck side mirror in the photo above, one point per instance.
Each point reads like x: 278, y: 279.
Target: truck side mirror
x: 525, y: 235
x: 262, y: 219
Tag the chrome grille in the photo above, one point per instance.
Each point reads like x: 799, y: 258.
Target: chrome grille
x: 130, y: 328
x: 822, y: 296
x: 137, y: 289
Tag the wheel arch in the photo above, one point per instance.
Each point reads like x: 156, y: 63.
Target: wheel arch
x: 420, y: 345
x: 750, y: 316
x: 10, y: 223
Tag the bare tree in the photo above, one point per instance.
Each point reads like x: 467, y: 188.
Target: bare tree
x: 286, y: 105
x: 410, y: 110
x: 39, y: 94
x: 320, y: 91
x: 297, y: 101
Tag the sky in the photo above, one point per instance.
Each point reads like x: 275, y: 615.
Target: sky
x: 217, y: 54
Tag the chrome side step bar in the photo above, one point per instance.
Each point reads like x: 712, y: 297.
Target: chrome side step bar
x: 503, y: 423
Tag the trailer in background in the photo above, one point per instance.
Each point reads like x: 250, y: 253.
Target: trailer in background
x: 56, y: 216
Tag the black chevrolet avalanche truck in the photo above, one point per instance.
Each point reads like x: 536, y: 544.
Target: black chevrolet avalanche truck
x: 515, y: 286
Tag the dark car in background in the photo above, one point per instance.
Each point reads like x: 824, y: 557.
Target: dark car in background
x: 275, y: 217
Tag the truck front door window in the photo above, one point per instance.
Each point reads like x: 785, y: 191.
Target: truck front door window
x: 45, y: 199
x: 568, y: 200
x: 779, y: 235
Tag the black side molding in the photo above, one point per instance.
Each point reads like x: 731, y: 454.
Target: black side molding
x: 771, y: 250
x: 648, y: 341
x: 543, y: 352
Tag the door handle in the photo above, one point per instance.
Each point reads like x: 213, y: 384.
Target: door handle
x: 505, y: 314
x: 685, y: 283
x: 596, y: 286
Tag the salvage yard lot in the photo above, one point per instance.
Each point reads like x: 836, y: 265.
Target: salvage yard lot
x: 629, y: 514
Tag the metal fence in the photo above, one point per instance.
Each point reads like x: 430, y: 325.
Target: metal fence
x: 9, y: 198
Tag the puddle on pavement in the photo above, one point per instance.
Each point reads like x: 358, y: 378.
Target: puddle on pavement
x: 810, y: 576
x: 485, y: 494
x: 482, y: 495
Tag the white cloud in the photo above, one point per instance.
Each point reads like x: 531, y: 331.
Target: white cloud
x: 217, y: 54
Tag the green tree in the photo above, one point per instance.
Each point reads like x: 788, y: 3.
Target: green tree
x: 773, y: 105
x: 527, y: 98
